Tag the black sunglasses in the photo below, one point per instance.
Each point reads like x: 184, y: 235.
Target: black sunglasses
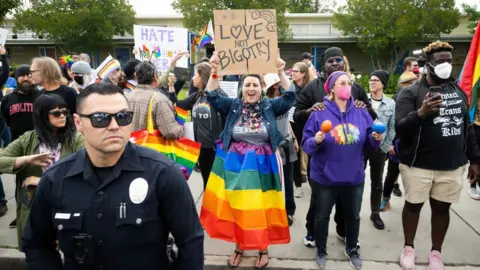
x: 103, y: 120
x: 59, y: 113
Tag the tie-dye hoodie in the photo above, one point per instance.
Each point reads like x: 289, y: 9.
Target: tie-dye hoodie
x: 338, y: 160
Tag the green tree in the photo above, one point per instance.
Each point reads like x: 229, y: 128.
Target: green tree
x: 473, y: 16
x: 78, y: 25
x: 300, y: 6
x: 324, y: 6
x: 198, y: 13
x: 8, y: 6
x: 387, y: 29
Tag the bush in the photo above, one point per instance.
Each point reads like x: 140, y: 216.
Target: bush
x: 392, y: 83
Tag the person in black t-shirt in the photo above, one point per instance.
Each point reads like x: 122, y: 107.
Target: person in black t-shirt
x: 47, y: 74
x: 436, y: 141
x: 17, y: 107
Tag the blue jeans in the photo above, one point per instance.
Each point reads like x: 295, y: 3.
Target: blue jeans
x: 290, y: 206
x: 6, y: 137
x: 350, y: 198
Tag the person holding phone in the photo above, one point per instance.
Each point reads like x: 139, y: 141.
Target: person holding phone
x: 436, y: 141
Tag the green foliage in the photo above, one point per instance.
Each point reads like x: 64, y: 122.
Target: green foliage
x: 7, y: 6
x: 300, y: 6
x: 392, y: 83
x: 473, y: 16
x: 387, y: 29
x: 79, y: 25
x: 198, y: 13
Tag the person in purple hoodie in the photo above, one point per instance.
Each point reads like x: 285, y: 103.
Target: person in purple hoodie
x: 337, y: 162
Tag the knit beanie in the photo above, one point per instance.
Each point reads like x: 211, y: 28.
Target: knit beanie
x: 382, y: 76
x: 332, y: 52
x: 22, y: 70
x: 332, y: 79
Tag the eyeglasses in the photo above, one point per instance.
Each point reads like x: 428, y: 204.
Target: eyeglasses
x: 374, y: 80
x: 57, y: 114
x: 332, y: 60
x: 33, y: 71
x: 344, y: 83
x: 103, y: 120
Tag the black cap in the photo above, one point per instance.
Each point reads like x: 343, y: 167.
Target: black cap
x: 332, y: 52
x: 307, y: 55
x: 382, y: 76
x: 22, y: 70
x: 129, y: 68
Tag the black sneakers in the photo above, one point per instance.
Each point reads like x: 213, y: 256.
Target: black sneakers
x: 396, y: 190
x: 377, y: 221
x: 3, y: 209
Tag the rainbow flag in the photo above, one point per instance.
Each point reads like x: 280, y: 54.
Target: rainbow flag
x: 243, y: 202
x: 469, y: 79
x: 206, y: 36
x: 108, y: 66
x: 183, y: 151
x: 181, y: 115
x: 130, y: 86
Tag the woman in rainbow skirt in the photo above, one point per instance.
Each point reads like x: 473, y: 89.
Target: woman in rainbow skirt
x: 244, y: 200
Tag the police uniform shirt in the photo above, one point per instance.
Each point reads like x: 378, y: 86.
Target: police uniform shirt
x: 119, y: 223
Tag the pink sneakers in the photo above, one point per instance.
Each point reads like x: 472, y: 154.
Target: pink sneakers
x: 407, y: 258
x: 435, y: 261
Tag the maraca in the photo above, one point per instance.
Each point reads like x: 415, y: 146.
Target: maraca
x: 379, y: 127
x: 326, y: 126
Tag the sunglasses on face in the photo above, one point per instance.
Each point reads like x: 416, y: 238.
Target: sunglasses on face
x: 103, y: 120
x: 333, y: 60
x: 57, y: 114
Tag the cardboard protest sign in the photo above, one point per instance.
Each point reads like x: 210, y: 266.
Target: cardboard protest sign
x: 246, y: 41
x: 160, y: 44
x: 3, y: 36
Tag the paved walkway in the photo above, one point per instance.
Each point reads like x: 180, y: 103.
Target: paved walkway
x: 380, y: 249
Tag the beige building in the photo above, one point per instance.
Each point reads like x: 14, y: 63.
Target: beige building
x: 311, y: 33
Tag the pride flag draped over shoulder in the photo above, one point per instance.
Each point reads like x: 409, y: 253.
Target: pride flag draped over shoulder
x: 469, y: 79
x: 243, y: 202
x: 183, y: 151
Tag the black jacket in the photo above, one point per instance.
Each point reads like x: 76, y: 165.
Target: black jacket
x: 123, y: 220
x: 408, y: 125
x: 314, y: 92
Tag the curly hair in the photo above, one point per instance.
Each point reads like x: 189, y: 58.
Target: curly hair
x: 437, y: 46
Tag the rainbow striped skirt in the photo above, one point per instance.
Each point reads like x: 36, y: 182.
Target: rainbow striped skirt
x: 244, y: 202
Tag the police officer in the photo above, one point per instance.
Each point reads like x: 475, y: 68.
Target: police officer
x: 113, y: 204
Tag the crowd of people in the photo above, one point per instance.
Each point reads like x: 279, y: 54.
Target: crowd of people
x: 85, y: 189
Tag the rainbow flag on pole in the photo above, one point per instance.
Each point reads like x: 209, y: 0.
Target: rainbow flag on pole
x: 469, y: 79
x: 108, y: 66
x: 206, y: 36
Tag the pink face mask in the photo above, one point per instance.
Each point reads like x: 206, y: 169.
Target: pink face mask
x: 344, y: 92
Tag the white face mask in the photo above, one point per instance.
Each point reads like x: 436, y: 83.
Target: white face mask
x: 443, y: 70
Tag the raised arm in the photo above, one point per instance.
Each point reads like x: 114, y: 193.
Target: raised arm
x: 221, y: 103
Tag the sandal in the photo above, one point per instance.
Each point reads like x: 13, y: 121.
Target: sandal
x: 260, y: 255
x: 237, y: 253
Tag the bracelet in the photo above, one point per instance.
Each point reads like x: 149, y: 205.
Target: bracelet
x: 215, y: 76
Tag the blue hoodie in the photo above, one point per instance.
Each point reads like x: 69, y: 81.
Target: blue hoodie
x: 338, y: 160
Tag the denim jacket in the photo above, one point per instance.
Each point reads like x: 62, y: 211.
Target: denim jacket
x: 270, y: 109
x: 386, y: 115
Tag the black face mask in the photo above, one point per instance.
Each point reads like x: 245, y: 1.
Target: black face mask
x: 78, y: 79
x: 437, y: 80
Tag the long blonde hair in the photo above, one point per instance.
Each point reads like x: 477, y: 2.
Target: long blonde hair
x: 347, y: 68
x: 50, y: 70
x: 303, y: 68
